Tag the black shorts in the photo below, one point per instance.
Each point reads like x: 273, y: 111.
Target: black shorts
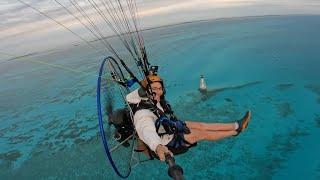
x: 178, y: 145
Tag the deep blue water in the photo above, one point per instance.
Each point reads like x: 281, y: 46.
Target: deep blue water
x: 270, y: 65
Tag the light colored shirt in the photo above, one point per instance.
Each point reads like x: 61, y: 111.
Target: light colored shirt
x: 144, y: 122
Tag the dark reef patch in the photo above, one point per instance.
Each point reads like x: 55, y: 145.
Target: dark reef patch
x: 317, y: 120
x: 85, y: 161
x: 315, y: 89
x: 62, y: 136
x: 212, y: 92
x: 318, y: 172
x: 278, y: 152
x: 20, y: 138
x: 228, y: 99
x: 285, y: 109
x: 13, y: 127
x: 10, y: 156
x: 298, y: 132
x: 282, y: 87
x: 51, y: 125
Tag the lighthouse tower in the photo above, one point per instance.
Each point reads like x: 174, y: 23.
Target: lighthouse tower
x: 202, y: 86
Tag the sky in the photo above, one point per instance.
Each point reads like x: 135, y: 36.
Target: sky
x: 24, y: 30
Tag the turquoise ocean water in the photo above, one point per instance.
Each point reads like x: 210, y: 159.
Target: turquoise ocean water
x: 270, y: 65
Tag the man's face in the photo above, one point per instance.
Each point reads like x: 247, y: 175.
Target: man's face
x: 156, y: 88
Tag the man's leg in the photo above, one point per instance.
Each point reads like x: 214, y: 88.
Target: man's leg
x: 199, y: 135
x: 211, y: 126
x: 221, y: 126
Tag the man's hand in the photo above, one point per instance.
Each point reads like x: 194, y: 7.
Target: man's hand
x: 161, y: 151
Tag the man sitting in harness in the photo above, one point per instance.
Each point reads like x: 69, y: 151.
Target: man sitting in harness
x: 163, y: 133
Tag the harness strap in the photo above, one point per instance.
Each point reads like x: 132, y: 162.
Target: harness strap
x: 171, y: 126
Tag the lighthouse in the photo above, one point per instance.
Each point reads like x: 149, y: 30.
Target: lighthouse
x: 202, y: 86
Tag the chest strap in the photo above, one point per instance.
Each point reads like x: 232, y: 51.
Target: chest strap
x: 171, y: 126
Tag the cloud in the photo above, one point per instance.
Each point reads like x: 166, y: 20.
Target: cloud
x: 193, y: 4
x: 19, y: 20
x: 16, y: 17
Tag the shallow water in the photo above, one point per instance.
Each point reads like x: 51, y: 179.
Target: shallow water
x: 270, y: 65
